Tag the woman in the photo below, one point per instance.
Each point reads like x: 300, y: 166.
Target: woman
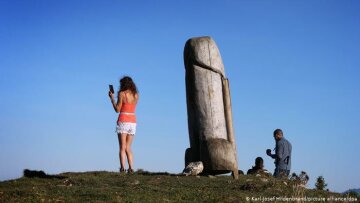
x: 126, y: 124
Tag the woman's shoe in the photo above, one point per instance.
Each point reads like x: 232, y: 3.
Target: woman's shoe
x: 130, y: 171
x: 122, y: 170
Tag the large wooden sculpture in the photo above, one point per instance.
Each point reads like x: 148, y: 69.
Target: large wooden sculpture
x: 212, y: 139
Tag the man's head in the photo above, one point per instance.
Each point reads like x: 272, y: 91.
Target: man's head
x: 278, y: 134
x: 259, y: 163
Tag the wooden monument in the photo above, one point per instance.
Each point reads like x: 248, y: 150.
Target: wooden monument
x: 211, y: 133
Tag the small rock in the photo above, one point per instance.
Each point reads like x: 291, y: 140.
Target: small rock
x: 210, y: 176
x: 68, y: 182
x: 193, y: 168
x: 197, y: 176
x: 136, y: 182
x: 264, y: 180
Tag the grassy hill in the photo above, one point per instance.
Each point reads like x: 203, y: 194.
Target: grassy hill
x: 151, y: 187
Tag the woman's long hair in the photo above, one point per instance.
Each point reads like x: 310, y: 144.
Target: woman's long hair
x: 126, y: 83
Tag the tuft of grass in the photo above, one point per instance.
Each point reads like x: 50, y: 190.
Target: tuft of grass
x: 144, y: 186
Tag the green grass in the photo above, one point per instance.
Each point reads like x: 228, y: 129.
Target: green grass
x: 147, y: 187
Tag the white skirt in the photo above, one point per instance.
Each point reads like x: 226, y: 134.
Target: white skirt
x: 128, y: 128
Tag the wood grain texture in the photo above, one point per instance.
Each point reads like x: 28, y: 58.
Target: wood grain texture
x: 212, y: 140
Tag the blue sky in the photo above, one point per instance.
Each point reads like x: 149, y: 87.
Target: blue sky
x: 291, y: 64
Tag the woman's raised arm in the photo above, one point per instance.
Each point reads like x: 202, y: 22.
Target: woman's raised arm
x: 117, y: 106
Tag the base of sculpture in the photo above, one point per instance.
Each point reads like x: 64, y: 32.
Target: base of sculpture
x: 217, y: 155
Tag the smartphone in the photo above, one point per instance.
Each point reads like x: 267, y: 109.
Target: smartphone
x: 111, y: 89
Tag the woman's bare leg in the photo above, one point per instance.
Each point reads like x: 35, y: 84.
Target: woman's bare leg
x: 122, y: 153
x: 129, y: 139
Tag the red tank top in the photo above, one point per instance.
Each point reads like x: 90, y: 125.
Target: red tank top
x: 127, y: 112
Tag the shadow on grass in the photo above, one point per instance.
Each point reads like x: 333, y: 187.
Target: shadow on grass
x: 148, y: 173
x: 40, y: 174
